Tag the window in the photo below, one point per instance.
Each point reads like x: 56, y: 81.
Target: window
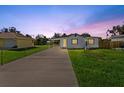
x: 74, y: 41
x: 90, y: 41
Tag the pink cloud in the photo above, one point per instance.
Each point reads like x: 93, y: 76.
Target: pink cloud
x: 97, y: 29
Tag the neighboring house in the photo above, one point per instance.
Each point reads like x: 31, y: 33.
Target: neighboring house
x: 117, y: 41
x: 117, y: 38
x: 74, y: 41
x: 15, y: 40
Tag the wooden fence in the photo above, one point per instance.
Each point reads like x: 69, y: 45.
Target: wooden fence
x: 107, y: 44
x: 117, y: 44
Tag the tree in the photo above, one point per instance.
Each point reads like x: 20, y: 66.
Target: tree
x: 112, y: 32
x: 122, y: 29
x: 56, y: 35
x: 64, y: 35
x: 86, y: 35
x: 27, y: 35
x: 116, y: 30
x: 12, y: 29
x: 41, y: 40
x: 18, y: 32
x: 4, y: 30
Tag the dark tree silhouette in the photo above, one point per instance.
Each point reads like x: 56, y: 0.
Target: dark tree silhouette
x: 64, y: 35
x: 86, y: 35
x: 27, y: 35
x: 56, y: 35
x: 116, y: 30
x: 41, y: 40
x: 4, y: 30
x: 12, y: 29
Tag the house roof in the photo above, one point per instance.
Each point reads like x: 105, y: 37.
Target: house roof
x: 96, y: 37
x: 75, y: 34
x: 13, y: 35
x: 117, y: 36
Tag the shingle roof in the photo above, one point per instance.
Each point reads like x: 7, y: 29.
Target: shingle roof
x: 13, y: 35
x: 75, y: 34
x: 117, y: 36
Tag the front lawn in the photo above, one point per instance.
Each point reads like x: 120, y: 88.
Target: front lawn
x: 100, y: 67
x: 9, y: 55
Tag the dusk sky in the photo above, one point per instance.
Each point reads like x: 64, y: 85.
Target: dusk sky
x: 47, y: 20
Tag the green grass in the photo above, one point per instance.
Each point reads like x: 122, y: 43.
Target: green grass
x: 9, y: 55
x: 101, y: 67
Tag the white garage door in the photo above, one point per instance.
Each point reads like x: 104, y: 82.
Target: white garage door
x: 9, y: 43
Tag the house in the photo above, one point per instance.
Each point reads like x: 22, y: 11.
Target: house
x: 117, y: 38
x: 74, y: 41
x: 117, y: 41
x: 15, y: 40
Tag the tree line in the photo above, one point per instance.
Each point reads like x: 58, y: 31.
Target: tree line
x: 13, y: 30
x: 58, y: 35
x: 39, y: 39
x: 116, y: 30
x: 10, y: 29
x: 42, y: 40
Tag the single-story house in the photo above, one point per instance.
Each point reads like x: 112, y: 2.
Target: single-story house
x: 117, y: 38
x: 15, y: 40
x: 117, y: 41
x: 74, y: 41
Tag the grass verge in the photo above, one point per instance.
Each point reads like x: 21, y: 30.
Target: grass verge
x: 98, y: 68
x: 10, y: 55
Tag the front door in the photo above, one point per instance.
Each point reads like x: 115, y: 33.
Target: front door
x: 64, y: 43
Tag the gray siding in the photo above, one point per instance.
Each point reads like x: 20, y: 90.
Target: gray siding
x: 117, y: 39
x: 95, y: 45
x: 61, y: 42
x: 81, y: 42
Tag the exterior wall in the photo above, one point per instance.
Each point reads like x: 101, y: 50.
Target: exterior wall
x: 61, y: 42
x: 81, y: 42
x: 1, y: 43
x: 7, y: 43
x: 95, y: 44
x: 117, y: 39
x: 24, y: 43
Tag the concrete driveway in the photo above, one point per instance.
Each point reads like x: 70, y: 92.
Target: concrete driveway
x: 49, y: 68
